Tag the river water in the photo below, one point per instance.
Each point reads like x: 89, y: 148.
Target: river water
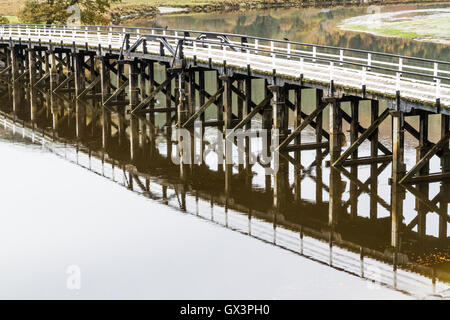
x: 77, y: 202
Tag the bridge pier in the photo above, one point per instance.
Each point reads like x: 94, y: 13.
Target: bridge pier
x: 105, y: 75
x: 31, y: 67
x: 14, y: 58
x: 398, y: 146
x: 280, y: 112
x: 53, y: 72
x: 228, y: 102
x: 169, y: 100
x: 78, y: 59
x: 133, y: 94
x: 336, y: 135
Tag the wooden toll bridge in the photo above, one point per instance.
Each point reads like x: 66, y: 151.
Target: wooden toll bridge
x: 86, y: 59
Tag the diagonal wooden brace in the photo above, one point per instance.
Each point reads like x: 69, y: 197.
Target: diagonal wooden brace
x: 381, y: 147
x: 45, y: 76
x: 302, y: 125
x: 69, y: 78
x: 202, y: 109
x: 117, y: 92
x: 151, y: 96
x: 312, y: 123
x: 89, y: 87
x: 425, y: 158
x: 6, y: 69
x: 361, y: 138
x: 249, y: 117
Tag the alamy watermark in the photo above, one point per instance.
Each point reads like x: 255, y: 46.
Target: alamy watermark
x: 75, y: 15
x: 73, y: 281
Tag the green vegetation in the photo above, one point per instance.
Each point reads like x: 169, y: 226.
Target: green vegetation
x: 56, y: 11
x: 421, y: 25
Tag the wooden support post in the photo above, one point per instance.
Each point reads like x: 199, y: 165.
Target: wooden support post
x: 119, y: 79
x: 32, y: 67
x: 297, y: 141
x: 47, y: 63
x: 55, y: 113
x: 80, y: 119
x: 14, y: 63
x: 79, y: 73
x: 335, y: 197
x: 397, y: 197
x: 142, y: 79
x: 60, y: 66
x: 335, y: 130
x: 319, y: 134
x: 142, y: 121
x: 219, y: 104
x: 279, y: 112
x: 41, y: 65
x: 354, y: 111
x: 248, y: 100
x: 281, y: 186
x: 151, y: 106
x: 191, y: 93
x: 201, y: 93
x: 423, y: 139
x: 422, y: 149
x: 182, y: 107
x: 398, y: 146
x: 246, y: 111
x: 168, y: 104
x: 134, y: 101
x: 17, y: 96
x: 443, y: 205
x: 354, y: 106
x: 105, y: 75
x: 267, y: 118
x: 53, y: 72
x: 228, y: 102
x: 374, y: 112
x: 33, y: 105
x: 240, y: 101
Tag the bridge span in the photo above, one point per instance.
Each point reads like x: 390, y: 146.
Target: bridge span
x: 119, y: 63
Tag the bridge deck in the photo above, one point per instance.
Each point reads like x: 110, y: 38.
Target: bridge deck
x: 417, y: 80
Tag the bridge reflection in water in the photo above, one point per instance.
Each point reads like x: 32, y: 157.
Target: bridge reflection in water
x: 348, y: 217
